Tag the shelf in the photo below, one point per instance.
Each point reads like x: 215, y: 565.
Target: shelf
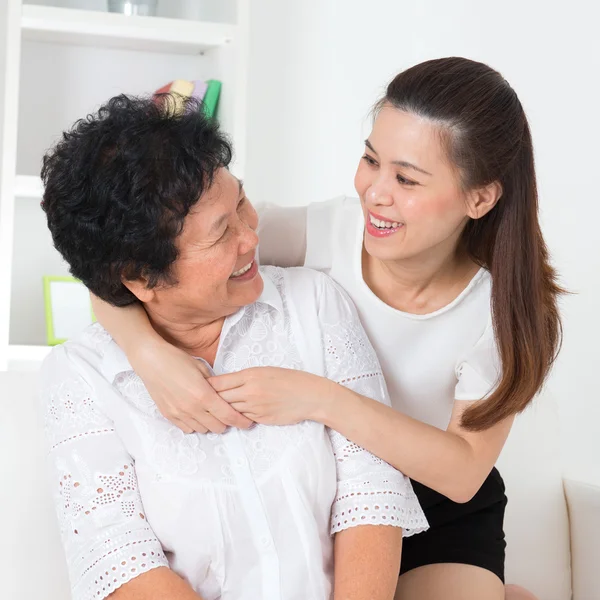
x: 112, y: 30
x: 27, y: 186
x: 26, y: 358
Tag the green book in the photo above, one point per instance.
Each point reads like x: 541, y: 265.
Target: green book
x: 211, y: 98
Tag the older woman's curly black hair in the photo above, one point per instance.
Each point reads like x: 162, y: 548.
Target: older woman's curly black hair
x: 119, y: 185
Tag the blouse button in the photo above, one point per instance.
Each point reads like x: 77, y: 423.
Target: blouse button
x: 265, y: 542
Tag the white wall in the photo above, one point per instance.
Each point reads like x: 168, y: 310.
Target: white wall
x: 317, y: 66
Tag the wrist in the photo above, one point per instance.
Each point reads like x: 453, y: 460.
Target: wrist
x: 146, y: 350
x: 329, y: 399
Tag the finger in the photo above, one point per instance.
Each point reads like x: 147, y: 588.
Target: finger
x: 241, y: 407
x: 235, y: 395
x: 189, y: 423
x: 254, y: 418
x: 227, y: 415
x: 211, y: 423
x: 182, y: 425
x: 229, y: 381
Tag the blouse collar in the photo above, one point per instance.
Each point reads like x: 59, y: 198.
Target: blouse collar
x: 115, y: 361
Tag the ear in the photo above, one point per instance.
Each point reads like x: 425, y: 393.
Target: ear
x: 139, y: 288
x: 481, y: 200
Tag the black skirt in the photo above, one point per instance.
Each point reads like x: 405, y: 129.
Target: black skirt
x: 470, y: 533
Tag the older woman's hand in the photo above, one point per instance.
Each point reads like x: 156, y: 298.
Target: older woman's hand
x: 177, y: 384
x: 276, y: 396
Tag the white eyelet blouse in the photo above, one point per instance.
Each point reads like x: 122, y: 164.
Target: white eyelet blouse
x: 242, y: 515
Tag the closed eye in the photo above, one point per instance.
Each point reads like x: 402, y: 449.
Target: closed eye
x: 224, y: 234
x: 404, y: 181
x: 401, y: 180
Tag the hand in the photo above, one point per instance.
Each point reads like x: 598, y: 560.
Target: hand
x: 274, y: 396
x: 177, y: 384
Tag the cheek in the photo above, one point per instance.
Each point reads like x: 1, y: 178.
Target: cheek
x: 446, y: 209
x: 212, y: 272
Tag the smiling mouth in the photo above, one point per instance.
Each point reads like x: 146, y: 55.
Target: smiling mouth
x: 383, y: 225
x: 242, y: 270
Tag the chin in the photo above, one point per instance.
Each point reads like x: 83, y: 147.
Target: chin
x: 383, y: 250
x: 252, y: 290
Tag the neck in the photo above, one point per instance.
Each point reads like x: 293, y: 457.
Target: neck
x: 419, y: 273
x: 420, y: 284
x: 199, y: 338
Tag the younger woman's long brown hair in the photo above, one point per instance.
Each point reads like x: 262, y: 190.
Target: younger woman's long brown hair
x: 487, y: 137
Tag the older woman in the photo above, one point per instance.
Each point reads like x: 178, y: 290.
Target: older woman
x: 141, y: 205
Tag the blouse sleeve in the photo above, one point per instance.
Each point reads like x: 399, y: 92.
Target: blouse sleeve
x: 478, y: 371
x: 370, y: 491
x: 282, y: 232
x: 105, y: 533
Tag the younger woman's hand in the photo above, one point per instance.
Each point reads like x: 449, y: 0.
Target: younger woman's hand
x: 177, y: 384
x: 275, y: 396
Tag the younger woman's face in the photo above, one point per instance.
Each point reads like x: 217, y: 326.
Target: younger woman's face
x: 411, y: 197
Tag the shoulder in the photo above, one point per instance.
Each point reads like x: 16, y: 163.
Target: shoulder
x: 77, y: 356
x: 296, y: 283
x: 311, y: 290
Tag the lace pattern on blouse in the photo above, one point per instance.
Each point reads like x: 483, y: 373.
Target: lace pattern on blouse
x: 369, y: 490
x: 101, y: 518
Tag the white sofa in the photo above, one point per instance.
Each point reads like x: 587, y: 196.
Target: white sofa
x: 555, y: 556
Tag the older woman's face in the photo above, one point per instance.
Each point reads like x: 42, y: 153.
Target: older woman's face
x: 216, y: 269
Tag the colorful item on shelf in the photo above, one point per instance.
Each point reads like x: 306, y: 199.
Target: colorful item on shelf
x: 211, y: 98
x: 207, y: 92
x: 199, y: 92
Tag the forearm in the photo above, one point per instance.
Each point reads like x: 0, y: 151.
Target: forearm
x: 129, y: 325
x: 367, y: 562
x: 441, y: 460
x: 157, y: 584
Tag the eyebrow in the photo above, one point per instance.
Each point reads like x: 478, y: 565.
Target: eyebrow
x: 217, y: 224
x: 400, y: 163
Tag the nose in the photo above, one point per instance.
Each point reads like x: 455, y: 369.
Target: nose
x: 379, y: 193
x: 248, y: 239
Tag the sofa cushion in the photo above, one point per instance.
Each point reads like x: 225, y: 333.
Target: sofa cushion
x: 536, y: 523
x: 32, y: 563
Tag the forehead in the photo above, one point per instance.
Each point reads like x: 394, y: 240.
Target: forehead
x: 401, y: 135
x: 218, y: 200
x: 224, y: 190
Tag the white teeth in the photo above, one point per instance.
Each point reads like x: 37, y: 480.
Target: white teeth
x: 383, y: 224
x: 242, y: 270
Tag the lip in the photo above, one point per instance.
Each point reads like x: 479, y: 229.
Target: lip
x: 248, y: 275
x: 379, y: 233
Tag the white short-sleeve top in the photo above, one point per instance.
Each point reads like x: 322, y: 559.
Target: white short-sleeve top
x: 429, y: 361
x: 242, y: 515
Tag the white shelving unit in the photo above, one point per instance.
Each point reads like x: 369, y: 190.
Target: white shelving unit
x: 155, y: 34
x: 28, y: 186
x: 57, y: 64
